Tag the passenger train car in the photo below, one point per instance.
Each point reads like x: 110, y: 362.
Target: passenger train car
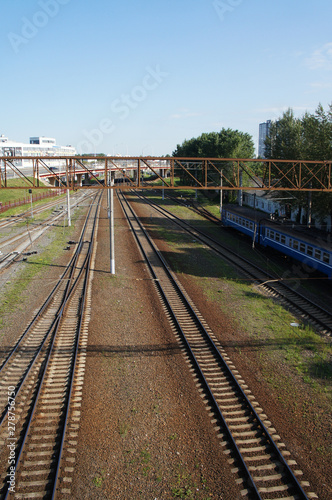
x: 313, y: 252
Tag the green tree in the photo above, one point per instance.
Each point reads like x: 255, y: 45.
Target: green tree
x: 285, y: 139
x: 227, y: 143
x: 317, y: 134
x: 307, y: 138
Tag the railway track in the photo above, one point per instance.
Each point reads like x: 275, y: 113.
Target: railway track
x: 256, y: 452
x: 18, y: 244
x: 14, y: 219
x: 196, y: 207
x: 40, y: 381
x: 303, y: 307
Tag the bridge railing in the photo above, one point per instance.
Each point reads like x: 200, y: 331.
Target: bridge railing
x: 228, y: 174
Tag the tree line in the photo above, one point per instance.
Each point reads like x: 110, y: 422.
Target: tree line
x: 308, y: 138
x: 227, y: 143
x: 290, y: 138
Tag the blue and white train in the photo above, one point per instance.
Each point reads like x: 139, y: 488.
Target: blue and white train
x: 314, y: 252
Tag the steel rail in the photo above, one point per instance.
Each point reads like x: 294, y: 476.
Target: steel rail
x: 69, y: 269
x: 179, y: 328
x: 196, y: 207
x: 74, y: 363
x: 43, y: 371
x: 14, y: 219
x: 249, y: 479
x: 269, y: 281
x: 51, y: 331
x: 39, y: 229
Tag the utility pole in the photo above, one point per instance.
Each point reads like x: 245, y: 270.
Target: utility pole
x: 68, y: 208
x: 220, y: 208
x: 110, y: 213
x: 240, y: 201
x: 30, y: 191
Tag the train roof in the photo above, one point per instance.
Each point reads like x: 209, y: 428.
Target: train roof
x: 313, y: 235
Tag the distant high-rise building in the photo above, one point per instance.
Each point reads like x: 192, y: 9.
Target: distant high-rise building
x: 264, y: 129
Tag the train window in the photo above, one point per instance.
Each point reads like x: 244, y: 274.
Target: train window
x: 326, y: 257
x: 318, y: 254
x: 237, y: 219
x: 302, y: 247
x: 252, y: 226
x: 267, y: 233
x: 309, y: 250
x: 295, y: 244
x: 272, y: 235
x: 283, y: 239
x: 277, y: 236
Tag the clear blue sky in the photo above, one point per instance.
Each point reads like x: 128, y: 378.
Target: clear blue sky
x: 139, y: 77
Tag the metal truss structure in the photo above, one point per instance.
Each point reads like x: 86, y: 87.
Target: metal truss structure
x: 107, y: 172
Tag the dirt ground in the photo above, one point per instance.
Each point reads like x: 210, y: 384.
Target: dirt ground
x: 145, y: 432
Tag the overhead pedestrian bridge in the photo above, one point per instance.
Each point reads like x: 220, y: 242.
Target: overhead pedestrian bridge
x: 148, y: 172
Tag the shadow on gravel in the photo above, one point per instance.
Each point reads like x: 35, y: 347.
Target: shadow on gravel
x: 133, y: 350
x: 321, y: 369
x: 268, y: 344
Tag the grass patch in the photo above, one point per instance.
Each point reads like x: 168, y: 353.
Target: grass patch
x: 124, y: 428
x: 270, y: 324
x: 98, y: 480
x: 185, y: 487
x: 14, y: 292
x: 34, y: 268
x: 263, y: 319
x: 8, y: 195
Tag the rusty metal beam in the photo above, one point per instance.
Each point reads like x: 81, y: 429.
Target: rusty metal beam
x: 144, y: 160
x: 120, y: 170
x: 87, y: 171
x: 184, y: 173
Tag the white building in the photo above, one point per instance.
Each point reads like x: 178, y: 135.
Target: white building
x: 269, y: 202
x: 38, y: 146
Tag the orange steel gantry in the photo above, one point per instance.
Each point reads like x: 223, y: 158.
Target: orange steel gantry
x: 171, y: 172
